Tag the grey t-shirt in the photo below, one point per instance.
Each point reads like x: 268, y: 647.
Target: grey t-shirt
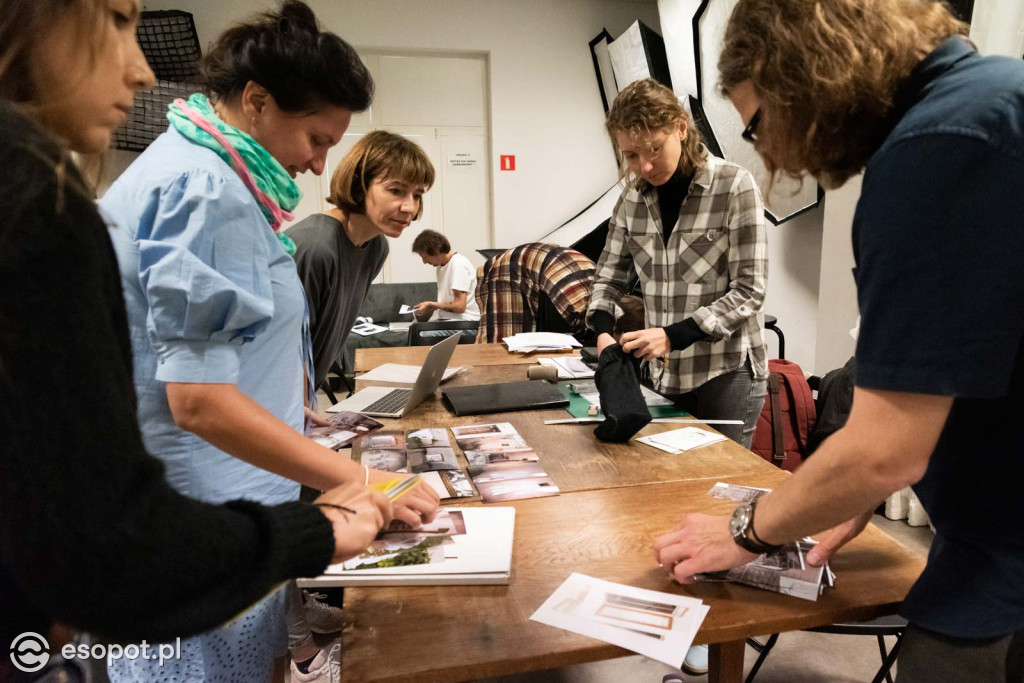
x: 336, y: 275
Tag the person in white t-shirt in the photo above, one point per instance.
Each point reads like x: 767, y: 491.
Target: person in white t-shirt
x: 456, y: 280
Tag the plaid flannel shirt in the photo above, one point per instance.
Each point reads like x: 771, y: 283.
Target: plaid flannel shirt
x: 510, y: 284
x: 714, y: 268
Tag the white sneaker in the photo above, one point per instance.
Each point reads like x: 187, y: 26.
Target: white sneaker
x: 326, y: 668
x: 696, y: 662
x: 321, y: 617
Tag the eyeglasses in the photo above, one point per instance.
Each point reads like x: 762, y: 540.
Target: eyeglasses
x: 750, y: 132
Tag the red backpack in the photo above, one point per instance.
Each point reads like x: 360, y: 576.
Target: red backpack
x: 787, y: 417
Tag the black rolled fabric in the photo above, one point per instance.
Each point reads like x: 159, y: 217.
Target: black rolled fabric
x: 624, y: 408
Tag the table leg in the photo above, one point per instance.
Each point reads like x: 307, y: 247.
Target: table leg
x: 725, y: 662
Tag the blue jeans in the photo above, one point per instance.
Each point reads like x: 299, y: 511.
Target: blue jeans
x: 735, y: 395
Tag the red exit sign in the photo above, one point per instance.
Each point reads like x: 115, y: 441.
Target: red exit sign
x: 508, y: 162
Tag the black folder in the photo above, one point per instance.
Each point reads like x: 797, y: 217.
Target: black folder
x: 481, y: 399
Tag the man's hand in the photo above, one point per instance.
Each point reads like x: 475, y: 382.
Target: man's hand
x: 836, y: 537
x: 424, y: 309
x: 646, y: 344
x: 700, y: 544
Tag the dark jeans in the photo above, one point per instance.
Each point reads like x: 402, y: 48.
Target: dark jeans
x: 926, y: 656
x: 735, y: 395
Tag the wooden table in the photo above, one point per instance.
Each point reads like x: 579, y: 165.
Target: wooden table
x: 616, y: 499
x: 465, y: 354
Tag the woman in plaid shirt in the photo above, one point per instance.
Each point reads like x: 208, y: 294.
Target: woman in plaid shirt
x: 693, y: 227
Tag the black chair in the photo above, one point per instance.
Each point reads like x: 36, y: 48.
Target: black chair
x: 892, y: 625
x: 325, y: 386
x: 416, y: 330
x: 771, y: 323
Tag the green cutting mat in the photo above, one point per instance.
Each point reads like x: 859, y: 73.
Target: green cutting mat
x: 578, y: 406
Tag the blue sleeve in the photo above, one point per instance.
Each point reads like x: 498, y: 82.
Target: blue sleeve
x: 939, y: 251
x: 206, y: 277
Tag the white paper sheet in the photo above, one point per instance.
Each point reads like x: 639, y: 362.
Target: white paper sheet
x: 401, y: 374
x: 679, y: 440
x: 661, y: 626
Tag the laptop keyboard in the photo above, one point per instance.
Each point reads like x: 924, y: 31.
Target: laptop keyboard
x: 391, y: 402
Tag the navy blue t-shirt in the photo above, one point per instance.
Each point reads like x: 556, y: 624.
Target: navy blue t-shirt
x: 939, y: 243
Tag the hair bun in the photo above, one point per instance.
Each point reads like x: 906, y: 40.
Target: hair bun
x: 296, y: 15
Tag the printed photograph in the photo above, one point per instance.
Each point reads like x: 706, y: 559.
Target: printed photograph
x: 345, y: 427
x: 400, y: 545
x: 503, y: 471
x: 425, y: 438
x: 459, y: 483
x: 385, y: 459
x: 516, y: 489
x: 488, y: 457
x: 493, y: 443
x: 389, y: 438
x: 432, y: 459
x: 476, y: 430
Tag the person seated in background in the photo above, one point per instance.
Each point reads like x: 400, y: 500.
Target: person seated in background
x: 534, y: 287
x: 377, y: 191
x: 456, y: 280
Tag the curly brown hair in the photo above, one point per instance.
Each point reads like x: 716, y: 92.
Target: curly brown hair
x: 378, y: 154
x: 826, y: 73
x: 646, y: 106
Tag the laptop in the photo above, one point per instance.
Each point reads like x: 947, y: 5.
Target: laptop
x: 389, y: 402
x: 481, y: 399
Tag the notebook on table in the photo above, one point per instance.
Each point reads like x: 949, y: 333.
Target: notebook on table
x: 389, y: 402
x: 481, y: 399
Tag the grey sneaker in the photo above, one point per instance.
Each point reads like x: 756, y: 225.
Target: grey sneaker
x: 321, y: 617
x: 326, y: 667
x: 696, y: 662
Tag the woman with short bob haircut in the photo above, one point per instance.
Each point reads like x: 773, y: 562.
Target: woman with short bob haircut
x: 92, y: 536
x: 377, y: 191
x: 216, y: 309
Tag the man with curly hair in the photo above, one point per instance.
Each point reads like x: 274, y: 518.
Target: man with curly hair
x: 892, y: 87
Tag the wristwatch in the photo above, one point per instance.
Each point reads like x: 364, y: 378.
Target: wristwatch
x: 742, y: 528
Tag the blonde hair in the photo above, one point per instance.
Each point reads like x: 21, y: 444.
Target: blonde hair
x: 827, y: 73
x: 379, y: 154
x: 644, y: 107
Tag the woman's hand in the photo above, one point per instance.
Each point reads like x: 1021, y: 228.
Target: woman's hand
x: 415, y: 508
x: 355, y: 528
x: 315, y: 419
x: 646, y: 344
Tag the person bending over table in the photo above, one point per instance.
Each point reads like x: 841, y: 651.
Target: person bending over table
x: 692, y: 226
x: 92, y: 536
x: 893, y: 88
x: 216, y: 309
x: 377, y: 191
x: 533, y: 287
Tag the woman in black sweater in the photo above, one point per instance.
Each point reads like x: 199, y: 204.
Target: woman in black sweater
x: 91, y: 535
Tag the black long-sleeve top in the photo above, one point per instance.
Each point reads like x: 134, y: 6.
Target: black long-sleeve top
x: 91, y: 534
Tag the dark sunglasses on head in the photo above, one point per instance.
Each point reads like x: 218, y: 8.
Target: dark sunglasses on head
x: 750, y: 132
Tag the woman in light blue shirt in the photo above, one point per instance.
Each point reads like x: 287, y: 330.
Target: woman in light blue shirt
x: 216, y: 309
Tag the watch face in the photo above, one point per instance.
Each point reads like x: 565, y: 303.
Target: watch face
x: 740, y: 520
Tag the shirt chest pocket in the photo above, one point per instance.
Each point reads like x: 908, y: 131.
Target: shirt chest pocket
x: 703, y: 255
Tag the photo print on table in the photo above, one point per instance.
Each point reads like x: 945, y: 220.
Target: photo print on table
x: 432, y: 459
x: 426, y: 438
x: 516, y: 489
x: 344, y: 428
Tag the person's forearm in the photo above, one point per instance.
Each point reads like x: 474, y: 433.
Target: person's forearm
x: 451, y: 307
x: 228, y: 419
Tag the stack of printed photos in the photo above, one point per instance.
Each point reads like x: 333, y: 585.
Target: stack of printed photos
x: 661, y: 626
x: 400, y: 545
x: 502, y: 465
x: 784, y: 571
x: 420, y: 451
x: 344, y: 428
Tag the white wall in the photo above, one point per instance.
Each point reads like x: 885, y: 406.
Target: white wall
x: 545, y: 105
x: 837, y: 295
x: 997, y: 27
